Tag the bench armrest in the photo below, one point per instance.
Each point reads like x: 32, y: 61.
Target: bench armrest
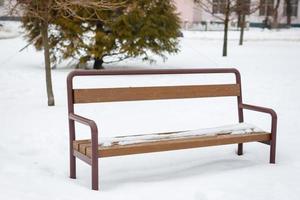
x: 85, y: 121
x: 264, y: 110
x: 260, y: 109
x: 94, y: 131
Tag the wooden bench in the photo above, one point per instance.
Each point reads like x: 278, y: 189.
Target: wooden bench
x: 89, y: 150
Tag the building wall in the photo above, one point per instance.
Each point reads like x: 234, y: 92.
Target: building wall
x: 2, y: 7
x: 191, y: 13
x: 4, y: 11
x: 185, y: 9
x: 256, y: 18
x: 197, y: 13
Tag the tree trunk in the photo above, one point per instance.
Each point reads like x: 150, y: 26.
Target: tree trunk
x: 239, y: 19
x: 275, y: 23
x: 226, y: 22
x: 98, y: 63
x: 288, y: 12
x: 243, y: 23
x: 47, y: 64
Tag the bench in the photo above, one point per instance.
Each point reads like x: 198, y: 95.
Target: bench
x: 90, y: 150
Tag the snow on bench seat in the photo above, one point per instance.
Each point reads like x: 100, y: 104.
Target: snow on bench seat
x: 241, y: 128
x: 133, y: 144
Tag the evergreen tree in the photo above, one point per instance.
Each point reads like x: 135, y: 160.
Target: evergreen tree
x: 136, y: 29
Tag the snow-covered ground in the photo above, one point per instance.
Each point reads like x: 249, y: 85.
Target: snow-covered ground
x: 34, y: 137
x: 255, y: 34
x: 9, y: 30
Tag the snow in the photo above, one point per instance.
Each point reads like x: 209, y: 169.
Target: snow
x: 234, y: 129
x: 34, y: 137
x: 256, y: 34
x: 8, y: 30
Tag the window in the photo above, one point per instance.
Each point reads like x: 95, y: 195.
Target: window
x: 266, y: 7
x: 219, y: 6
x: 293, y: 9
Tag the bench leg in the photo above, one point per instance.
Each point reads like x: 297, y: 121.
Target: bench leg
x: 72, y: 166
x: 272, y: 152
x: 240, y: 149
x: 95, y: 175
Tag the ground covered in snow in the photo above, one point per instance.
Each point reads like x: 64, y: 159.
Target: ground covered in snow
x: 34, y: 137
x: 9, y: 30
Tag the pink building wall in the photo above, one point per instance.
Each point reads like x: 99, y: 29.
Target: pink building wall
x: 191, y: 13
x: 188, y: 11
x: 185, y: 9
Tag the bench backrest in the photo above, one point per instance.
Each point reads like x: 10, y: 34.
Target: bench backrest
x: 77, y: 96
x: 154, y: 93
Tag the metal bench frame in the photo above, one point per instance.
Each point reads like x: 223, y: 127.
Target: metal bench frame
x: 93, y: 160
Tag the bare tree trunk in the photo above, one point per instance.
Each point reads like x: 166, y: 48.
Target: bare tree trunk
x: 226, y: 22
x: 288, y: 12
x: 275, y: 23
x: 239, y: 19
x: 47, y: 64
x: 243, y: 23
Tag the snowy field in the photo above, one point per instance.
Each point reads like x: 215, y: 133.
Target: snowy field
x: 34, y: 137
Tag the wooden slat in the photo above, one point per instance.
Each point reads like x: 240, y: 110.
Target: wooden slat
x: 83, y: 147
x: 154, y: 93
x: 186, y: 143
x: 78, y: 143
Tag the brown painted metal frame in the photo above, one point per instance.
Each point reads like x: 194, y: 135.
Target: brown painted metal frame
x: 93, y: 161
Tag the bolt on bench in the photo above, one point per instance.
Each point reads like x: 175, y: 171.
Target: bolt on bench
x: 90, y: 150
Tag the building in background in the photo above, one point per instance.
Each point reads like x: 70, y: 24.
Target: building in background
x: 3, y: 7
x: 4, y: 11
x: 190, y: 12
x: 192, y: 15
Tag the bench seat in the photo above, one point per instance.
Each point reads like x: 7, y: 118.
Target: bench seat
x: 133, y: 144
